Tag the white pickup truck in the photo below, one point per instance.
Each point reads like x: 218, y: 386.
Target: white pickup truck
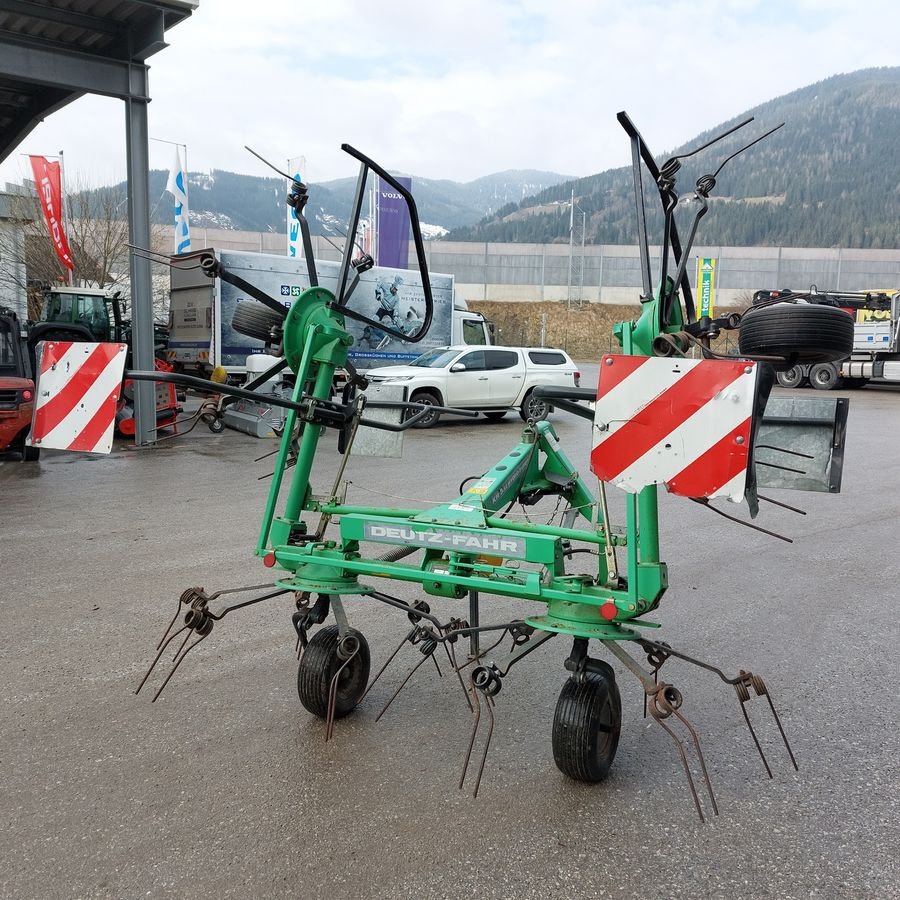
x: 491, y: 380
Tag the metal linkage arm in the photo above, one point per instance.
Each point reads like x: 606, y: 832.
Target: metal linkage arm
x: 214, y: 269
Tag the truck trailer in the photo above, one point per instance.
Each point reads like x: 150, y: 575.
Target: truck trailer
x: 876, y: 339
x: 201, y: 312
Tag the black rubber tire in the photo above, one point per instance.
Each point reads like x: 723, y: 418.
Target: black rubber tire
x: 586, y: 727
x: 534, y: 408
x: 825, y: 377
x: 254, y: 320
x: 801, y: 332
x: 429, y: 398
x: 30, y: 454
x: 317, y: 667
x: 495, y: 416
x: 216, y: 426
x: 792, y: 378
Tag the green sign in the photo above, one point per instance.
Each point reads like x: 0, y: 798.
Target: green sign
x: 706, y: 286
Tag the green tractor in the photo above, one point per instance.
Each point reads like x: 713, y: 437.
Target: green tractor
x: 87, y: 314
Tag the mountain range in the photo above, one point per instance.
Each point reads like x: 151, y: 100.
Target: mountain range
x: 829, y: 177
x: 228, y: 200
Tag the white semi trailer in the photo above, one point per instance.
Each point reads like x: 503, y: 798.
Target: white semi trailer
x: 201, y: 336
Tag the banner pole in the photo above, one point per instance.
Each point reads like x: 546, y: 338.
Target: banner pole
x: 70, y: 273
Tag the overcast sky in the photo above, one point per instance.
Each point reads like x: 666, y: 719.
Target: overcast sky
x: 462, y: 89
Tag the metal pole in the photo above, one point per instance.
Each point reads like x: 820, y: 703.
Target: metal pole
x: 137, y: 147
x: 70, y: 274
x: 571, y: 240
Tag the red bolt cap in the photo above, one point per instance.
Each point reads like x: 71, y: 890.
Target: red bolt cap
x: 609, y: 610
x: 269, y: 560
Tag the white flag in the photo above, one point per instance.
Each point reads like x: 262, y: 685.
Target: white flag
x: 296, y: 168
x: 177, y: 187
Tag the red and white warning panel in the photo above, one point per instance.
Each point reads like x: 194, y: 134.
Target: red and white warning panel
x: 77, y: 391
x: 684, y: 423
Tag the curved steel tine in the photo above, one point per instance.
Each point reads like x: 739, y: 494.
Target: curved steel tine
x: 169, y: 628
x: 761, y: 690
x: 440, y: 673
x: 160, y: 653
x: 759, y: 748
x: 468, y: 756
x: 783, y: 735
x: 389, y: 661
x: 186, y: 638
x: 654, y: 714
x: 696, y: 739
x: 332, y: 697
x: 402, y: 685
x: 451, y: 654
x: 487, y: 746
x: 178, y: 662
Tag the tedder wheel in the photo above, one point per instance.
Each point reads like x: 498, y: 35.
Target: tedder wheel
x: 792, y: 378
x: 496, y: 415
x: 216, y: 425
x: 255, y: 320
x: 431, y: 417
x: 534, y: 408
x: 320, y: 661
x: 586, y: 726
x: 800, y: 332
x: 825, y: 377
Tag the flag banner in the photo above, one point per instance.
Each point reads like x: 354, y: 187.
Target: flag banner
x: 296, y: 168
x: 48, y: 178
x: 393, y: 226
x: 706, y: 285
x: 177, y: 187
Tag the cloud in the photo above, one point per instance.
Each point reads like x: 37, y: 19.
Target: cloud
x: 465, y: 89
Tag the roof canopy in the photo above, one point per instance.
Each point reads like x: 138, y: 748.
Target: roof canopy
x: 54, y: 51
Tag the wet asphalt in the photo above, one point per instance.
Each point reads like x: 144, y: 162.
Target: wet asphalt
x: 225, y: 787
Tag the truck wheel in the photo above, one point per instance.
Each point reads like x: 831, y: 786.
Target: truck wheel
x: 257, y: 321
x: 792, y: 378
x: 800, y: 332
x: 825, y: 377
x: 426, y: 398
x: 534, y: 408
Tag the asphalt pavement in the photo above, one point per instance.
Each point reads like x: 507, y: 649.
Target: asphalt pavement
x: 225, y: 787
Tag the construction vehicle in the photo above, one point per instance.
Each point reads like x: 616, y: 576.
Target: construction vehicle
x: 705, y: 427
x: 876, y: 338
x: 87, y: 314
x: 16, y: 389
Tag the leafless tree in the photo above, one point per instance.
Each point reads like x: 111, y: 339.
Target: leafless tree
x: 97, y: 230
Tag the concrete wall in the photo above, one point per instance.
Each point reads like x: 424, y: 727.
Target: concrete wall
x: 609, y: 273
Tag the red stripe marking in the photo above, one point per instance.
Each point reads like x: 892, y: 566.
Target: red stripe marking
x: 725, y: 460
x: 92, y: 433
x: 48, y: 416
x: 52, y: 353
x: 648, y: 426
x: 615, y: 372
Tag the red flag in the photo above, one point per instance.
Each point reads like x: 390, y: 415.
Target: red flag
x: 47, y: 178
